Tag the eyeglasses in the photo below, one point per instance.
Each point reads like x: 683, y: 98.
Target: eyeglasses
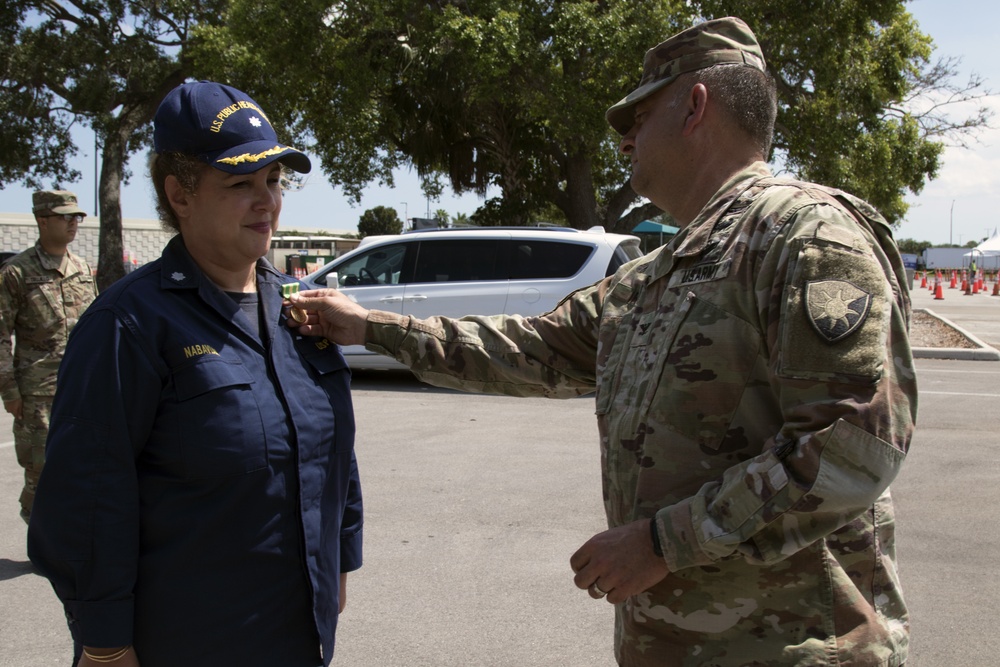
x: 68, y: 217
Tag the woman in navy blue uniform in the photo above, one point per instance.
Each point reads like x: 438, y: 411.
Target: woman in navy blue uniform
x: 201, y: 503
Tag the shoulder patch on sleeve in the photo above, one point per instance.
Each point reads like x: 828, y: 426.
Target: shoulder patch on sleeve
x: 836, y: 308
x: 835, y: 315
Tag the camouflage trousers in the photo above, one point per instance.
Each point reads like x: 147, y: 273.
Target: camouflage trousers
x: 29, y: 442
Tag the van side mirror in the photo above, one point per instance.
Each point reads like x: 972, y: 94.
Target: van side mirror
x: 333, y: 280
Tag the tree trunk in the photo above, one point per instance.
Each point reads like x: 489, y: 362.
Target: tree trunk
x: 623, y: 213
x: 627, y: 222
x: 110, y: 262
x: 580, y: 203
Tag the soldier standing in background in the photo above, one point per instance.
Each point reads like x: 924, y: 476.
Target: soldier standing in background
x: 43, y: 292
x: 755, y: 389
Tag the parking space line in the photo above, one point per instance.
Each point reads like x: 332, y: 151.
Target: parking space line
x: 957, y: 370
x: 957, y: 393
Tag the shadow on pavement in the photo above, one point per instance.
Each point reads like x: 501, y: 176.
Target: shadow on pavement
x: 393, y: 380
x: 12, y: 569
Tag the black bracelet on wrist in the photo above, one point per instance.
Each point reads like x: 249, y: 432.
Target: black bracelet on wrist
x: 655, y: 534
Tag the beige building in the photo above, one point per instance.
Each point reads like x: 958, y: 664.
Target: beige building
x: 143, y: 240
x: 302, y: 251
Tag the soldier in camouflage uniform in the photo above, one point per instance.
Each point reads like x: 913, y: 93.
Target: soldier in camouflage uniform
x: 755, y: 388
x: 43, y: 292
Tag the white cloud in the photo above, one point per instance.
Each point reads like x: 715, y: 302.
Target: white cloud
x: 966, y: 173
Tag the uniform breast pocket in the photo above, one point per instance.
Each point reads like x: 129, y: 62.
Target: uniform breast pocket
x: 218, y: 421
x: 334, y: 379
x: 609, y: 368
x: 706, y: 371
x: 78, y: 291
x: 45, y: 305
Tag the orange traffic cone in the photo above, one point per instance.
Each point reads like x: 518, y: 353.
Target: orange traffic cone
x: 954, y: 280
x: 975, y: 286
x: 996, y: 287
x: 938, y: 292
x: 923, y: 279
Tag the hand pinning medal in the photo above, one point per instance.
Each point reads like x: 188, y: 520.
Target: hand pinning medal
x: 294, y: 312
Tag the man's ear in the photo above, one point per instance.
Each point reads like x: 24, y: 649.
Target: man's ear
x: 697, y: 101
x: 179, y: 198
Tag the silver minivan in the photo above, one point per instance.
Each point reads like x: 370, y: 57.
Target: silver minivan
x: 471, y: 271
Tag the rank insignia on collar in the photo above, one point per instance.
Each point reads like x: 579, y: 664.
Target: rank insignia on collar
x: 178, y: 277
x: 836, y: 308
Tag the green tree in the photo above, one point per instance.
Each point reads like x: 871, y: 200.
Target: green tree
x: 861, y: 105
x: 442, y: 217
x: 379, y: 220
x: 510, y: 94
x: 507, y: 94
x: 105, y: 65
x: 912, y: 246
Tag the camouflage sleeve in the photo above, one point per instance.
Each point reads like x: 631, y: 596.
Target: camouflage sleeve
x: 840, y: 368
x: 549, y: 355
x: 10, y: 300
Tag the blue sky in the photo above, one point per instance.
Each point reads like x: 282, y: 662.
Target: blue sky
x: 970, y: 179
x: 958, y: 206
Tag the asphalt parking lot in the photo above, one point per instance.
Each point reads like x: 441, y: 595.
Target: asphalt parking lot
x: 475, y: 503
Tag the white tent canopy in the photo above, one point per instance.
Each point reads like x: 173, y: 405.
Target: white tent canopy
x: 990, y: 248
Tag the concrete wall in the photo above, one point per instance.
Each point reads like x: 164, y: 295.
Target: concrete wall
x: 143, y: 239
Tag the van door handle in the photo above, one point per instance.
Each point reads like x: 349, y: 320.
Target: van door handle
x: 416, y: 297
x: 391, y: 299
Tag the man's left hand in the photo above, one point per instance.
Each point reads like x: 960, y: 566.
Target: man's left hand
x: 620, y: 561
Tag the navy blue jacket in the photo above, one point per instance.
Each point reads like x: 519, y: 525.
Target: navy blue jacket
x: 200, y: 496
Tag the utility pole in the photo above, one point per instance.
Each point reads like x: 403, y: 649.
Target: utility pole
x: 951, y: 234
x: 97, y: 178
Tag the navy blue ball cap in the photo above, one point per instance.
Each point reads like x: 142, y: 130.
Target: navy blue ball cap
x: 222, y: 127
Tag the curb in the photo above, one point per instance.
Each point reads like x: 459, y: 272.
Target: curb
x: 982, y: 351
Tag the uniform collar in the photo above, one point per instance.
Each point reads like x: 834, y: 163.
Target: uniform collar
x: 51, y: 262
x: 179, y: 270
x: 694, y: 237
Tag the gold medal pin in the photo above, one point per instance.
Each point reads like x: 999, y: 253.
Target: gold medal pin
x: 295, y: 312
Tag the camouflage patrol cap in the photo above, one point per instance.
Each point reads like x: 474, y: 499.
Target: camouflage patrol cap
x: 56, y: 201
x: 715, y: 42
